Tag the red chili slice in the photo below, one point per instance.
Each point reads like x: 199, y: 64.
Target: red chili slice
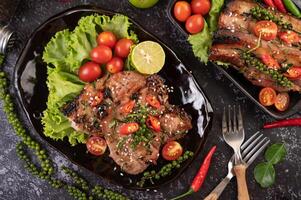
x: 128, y: 107
x: 128, y: 128
x: 289, y: 37
x: 97, y: 99
x: 153, y: 123
x: 153, y: 101
x: 293, y: 73
x: 269, y: 61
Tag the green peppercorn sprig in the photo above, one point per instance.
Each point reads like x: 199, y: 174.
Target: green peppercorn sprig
x: 260, y: 13
x: 165, y: 170
x: 81, y: 182
x: 99, y: 192
x: 252, y: 61
x: 46, y: 169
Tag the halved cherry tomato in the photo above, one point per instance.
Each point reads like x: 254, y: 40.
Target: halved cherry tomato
x: 89, y: 72
x: 101, y: 54
x: 153, y: 101
x: 115, y: 65
x: 96, y: 100
x: 194, y: 24
x: 268, y: 30
x: 293, y: 72
x: 172, y: 150
x: 182, y: 11
x: 96, y: 145
x: 153, y: 123
x: 282, y: 101
x: 289, y: 37
x: 267, y: 96
x: 269, y: 61
x: 107, y: 38
x: 128, y: 107
x: 123, y: 47
x: 200, y: 7
x: 128, y: 128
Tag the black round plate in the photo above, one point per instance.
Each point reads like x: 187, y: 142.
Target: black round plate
x: 30, y: 82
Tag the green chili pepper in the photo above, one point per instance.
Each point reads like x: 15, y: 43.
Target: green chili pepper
x: 290, y: 6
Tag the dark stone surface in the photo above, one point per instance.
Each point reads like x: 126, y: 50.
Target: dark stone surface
x: 17, y: 183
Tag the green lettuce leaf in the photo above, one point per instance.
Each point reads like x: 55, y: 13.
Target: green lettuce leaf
x: 201, y: 42
x: 64, y: 54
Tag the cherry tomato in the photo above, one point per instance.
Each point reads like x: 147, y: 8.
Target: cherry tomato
x: 153, y: 123
x: 101, y: 54
x: 267, y: 96
x: 293, y: 72
x: 153, y: 101
x: 115, y: 65
x: 172, y: 150
x: 96, y: 100
x: 89, y: 72
x: 107, y: 38
x: 128, y: 107
x: 182, y: 10
x: 194, y: 24
x: 123, y: 47
x: 268, y: 30
x: 200, y: 7
x: 96, y: 145
x: 128, y: 128
x: 289, y: 37
x: 270, y: 62
x: 282, y: 101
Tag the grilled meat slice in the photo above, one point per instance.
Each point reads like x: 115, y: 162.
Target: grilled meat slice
x: 124, y: 84
x: 174, y: 123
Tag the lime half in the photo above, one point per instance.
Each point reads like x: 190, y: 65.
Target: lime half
x: 143, y: 3
x: 148, y: 57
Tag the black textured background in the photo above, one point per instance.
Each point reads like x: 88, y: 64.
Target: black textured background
x: 17, y: 183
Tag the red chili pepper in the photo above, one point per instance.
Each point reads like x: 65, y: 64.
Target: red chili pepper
x: 283, y: 123
x: 153, y: 101
x: 128, y: 128
x: 200, y: 177
x: 153, y: 123
x: 280, y: 6
x: 270, y: 3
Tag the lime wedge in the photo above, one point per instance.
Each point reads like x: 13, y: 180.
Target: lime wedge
x: 148, y: 57
x: 143, y: 3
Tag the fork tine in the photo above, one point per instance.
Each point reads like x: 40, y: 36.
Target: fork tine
x: 250, y: 161
x: 235, y: 128
x: 251, y: 146
x: 229, y: 120
x: 254, y: 149
x: 240, y: 122
x: 246, y: 143
x: 224, y: 122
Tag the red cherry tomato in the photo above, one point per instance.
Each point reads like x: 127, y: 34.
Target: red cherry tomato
x: 289, y: 37
x: 123, y: 47
x: 282, y: 101
x: 153, y: 101
x: 101, y: 54
x: 96, y: 145
x: 270, y: 62
x: 115, y: 65
x: 200, y: 7
x: 172, y: 150
x: 267, y: 96
x: 107, y: 38
x: 128, y: 107
x: 268, y: 30
x: 293, y: 73
x: 89, y: 72
x: 96, y: 100
x: 153, y: 123
x: 194, y: 24
x: 128, y: 128
x: 182, y: 10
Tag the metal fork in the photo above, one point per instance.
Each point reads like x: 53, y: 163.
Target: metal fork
x: 234, y: 135
x: 251, y: 149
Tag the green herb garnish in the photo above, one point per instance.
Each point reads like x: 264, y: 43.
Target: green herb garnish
x: 264, y: 172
